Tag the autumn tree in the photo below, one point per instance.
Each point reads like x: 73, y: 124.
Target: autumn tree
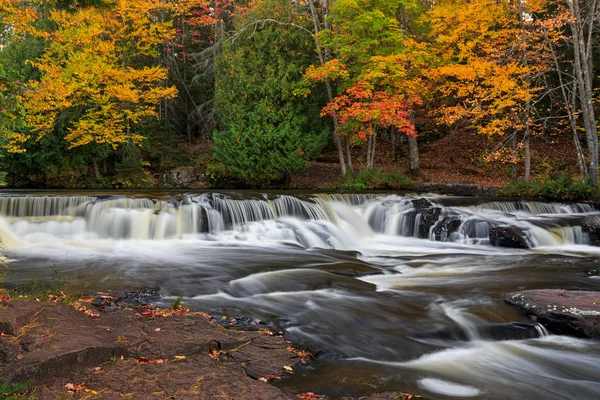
x: 489, y: 52
x: 97, y: 82
x: 376, y: 67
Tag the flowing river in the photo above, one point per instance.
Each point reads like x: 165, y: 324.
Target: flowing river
x: 401, y: 293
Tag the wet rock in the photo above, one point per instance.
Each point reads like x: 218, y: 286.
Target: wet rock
x: 429, y: 218
x: 111, y: 301
x: 509, y: 331
x: 428, y: 215
x: 563, y: 312
x: 446, y: 227
x: 591, y: 226
x: 508, y: 237
x: 421, y: 204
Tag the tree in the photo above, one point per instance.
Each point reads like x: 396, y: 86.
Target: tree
x: 377, y: 68
x: 268, y: 132
x: 98, y: 84
x: 488, y: 67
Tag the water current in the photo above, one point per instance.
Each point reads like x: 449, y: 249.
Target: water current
x: 399, y: 292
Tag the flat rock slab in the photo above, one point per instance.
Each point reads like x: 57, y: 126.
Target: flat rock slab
x: 125, y: 354
x: 563, y: 312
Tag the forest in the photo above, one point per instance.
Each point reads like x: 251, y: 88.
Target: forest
x: 116, y: 93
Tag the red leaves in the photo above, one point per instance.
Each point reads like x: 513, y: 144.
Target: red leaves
x: 5, y: 299
x: 309, y: 396
x: 80, y: 306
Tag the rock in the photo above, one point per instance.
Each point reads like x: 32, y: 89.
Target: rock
x: 428, y: 216
x: 421, y: 204
x: 591, y: 226
x: 575, y: 313
x: 8, y: 351
x: 126, y: 353
x: 508, y: 237
x: 182, y: 177
x: 16, y: 314
x: 446, y: 227
x: 508, y: 331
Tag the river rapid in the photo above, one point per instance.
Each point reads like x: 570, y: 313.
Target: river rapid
x: 400, y: 292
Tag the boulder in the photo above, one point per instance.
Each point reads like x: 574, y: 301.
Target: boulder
x: 563, y: 312
x: 429, y: 216
x: 591, y: 226
x: 508, y: 237
x: 446, y: 227
x: 182, y: 177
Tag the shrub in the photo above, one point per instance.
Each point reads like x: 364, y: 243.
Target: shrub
x: 563, y: 187
x: 377, y: 179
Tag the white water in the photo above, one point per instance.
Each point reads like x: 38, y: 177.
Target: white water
x: 329, y: 221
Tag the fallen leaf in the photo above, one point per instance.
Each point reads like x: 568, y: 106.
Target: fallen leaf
x: 288, y: 368
x: 73, y: 388
x: 180, y: 357
x: 157, y: 330
x: 149, y: 361
x: 308, y: 395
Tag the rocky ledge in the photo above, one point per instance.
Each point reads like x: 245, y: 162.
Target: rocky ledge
x: 563, y: 312
x: 119, y: 345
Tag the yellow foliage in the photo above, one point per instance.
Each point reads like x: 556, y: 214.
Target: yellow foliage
x: 89, y: 84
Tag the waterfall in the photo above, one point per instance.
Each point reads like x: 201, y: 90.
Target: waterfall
x: 323, y: 220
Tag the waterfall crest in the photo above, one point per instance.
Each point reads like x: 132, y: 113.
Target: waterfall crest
x: 324, y: 220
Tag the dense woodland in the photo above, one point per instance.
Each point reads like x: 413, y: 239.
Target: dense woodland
x: 110, y: 93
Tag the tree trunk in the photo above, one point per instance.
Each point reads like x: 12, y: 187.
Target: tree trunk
x: 413, y: 155
x: 349, y: 153
x: 582, y: 63
x: 394, y: 155
x: 369, y: 152
x: 571, y: 105
x: 513, y: 146
x: 96, y: 169
x: 374, y: 142
x: 527, y: 159
x: 336, y: 134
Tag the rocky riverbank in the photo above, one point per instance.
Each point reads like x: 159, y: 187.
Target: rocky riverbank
x: 563, y: 312
x: 114, y: 346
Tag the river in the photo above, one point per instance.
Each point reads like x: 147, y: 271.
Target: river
x: 401, y: 293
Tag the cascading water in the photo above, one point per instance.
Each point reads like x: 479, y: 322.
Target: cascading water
x: 327, y: 220
x: 403, y: 292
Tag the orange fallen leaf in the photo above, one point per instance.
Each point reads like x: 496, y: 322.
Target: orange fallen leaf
x: 308, y: 395
x: 73, y: 388
x: 149, y: 361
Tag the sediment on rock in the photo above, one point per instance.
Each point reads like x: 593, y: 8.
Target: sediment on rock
x: 563, y: 312
x: 63, y: 351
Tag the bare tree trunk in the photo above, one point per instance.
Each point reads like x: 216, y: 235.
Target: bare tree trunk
x: 571, y: 105
x: 413, y: 155
x: 369, y: 152
x: 394, y: 155
x: 348, y: 153
x: 513, y: 146
x: 96, y: 169
x: 336, y: 134
x: 373, y: 150
x: 527, y: 158
x: 582, y: 63
x: 525, y: 117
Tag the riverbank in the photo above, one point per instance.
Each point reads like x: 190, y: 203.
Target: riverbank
x: 118, y: 345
